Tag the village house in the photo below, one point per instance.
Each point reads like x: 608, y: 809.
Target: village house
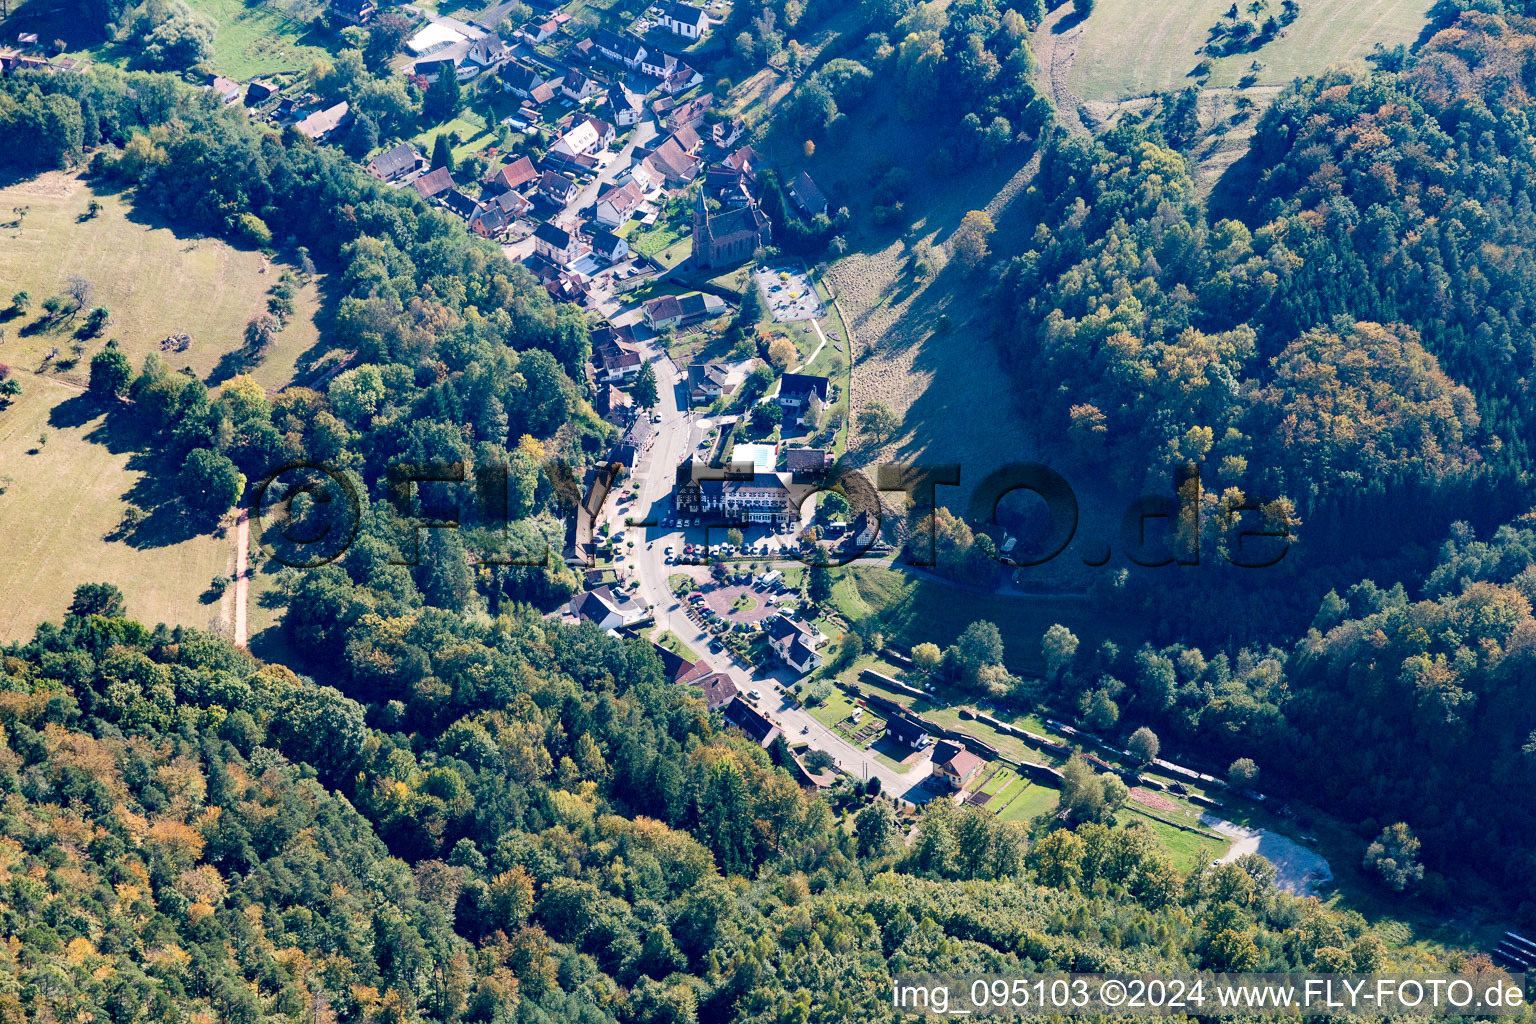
x: 399, y: 162
x: 322, y: 124
x: 675, y: 166
x: 498, y: 214
x: 955, y: 764
x: 807, y: 195
x: 615, y: 354
x: 685, y: 20
x: 635, y: 442
x: 226, y: 89
x: 728, y: 237
x: 659, y: 64
x: 725, y: 133
x: 690, y: 113
x: 513, y: 176
x: 680, y: 79
x: 751, y: 721
x: 485, y: 54
x: 662, y: 312
x: 433, y: 183
x: 557, y: 188
x: 427, y: 71
x: 607, y: 610
x: 618, y: 203
x: 807, y: 461
x: 680, y: 310
x: 520, y: 79
x: 609, y: 246
x: 708, y: 381
x: 460, y: 203
x: 717, y: 688
x: 626, y: 50
x: 624, y: 108
x: 581, y: 140
x: 605, y: 133
x: 539, y: 31
x: 802, y: 397
x: 579, y: 86
x: 770, y: 498
x: 613, y: 405
x: 907, y: 732
x: 687, y: 140
x: 794, y: 642
x: 357, y: 12
x: 557, y: 245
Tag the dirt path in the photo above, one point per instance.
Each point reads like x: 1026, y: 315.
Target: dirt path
x: 808, y: 360
x: 1055, y: 50
x: 242, y: 573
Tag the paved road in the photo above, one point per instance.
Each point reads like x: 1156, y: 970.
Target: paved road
x: 675, y: 438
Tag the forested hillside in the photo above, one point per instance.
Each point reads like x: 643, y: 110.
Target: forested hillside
x: 572, y: 839
x: 1351, y: 336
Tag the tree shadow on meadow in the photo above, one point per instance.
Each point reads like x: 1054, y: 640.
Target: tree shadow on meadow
x: 157, y: 517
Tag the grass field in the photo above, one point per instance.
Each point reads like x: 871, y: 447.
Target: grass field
x: 1169, y: 33
x: 155, y: 282
x: 1187, y: 850
x: 1029, y: 802
x: 60, y: 503
x: 913, y: 610
x: 64, y: 497
x: 251, y: 39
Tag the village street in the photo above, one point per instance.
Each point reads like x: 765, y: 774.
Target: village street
x: 676, y: 437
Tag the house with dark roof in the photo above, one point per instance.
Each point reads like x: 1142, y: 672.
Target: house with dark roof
x: 433, y: 183
x: 807, y: 195
x: 625, y: 49
x: 907, y: 732
x: 659, y: 64
x: 809, y: 461
x: 496, y: 216
x: 520, y: 79
x: 558, y: 245
x: 685, y: 20
x: 955, y: 764
x: 557, y: 188
x: 399, y: 162
x: 751, y: 721
x: 460, y: 203
x: 707, y: 381
x: 762, y: 497
x: 803, y: 396
x: 579, y: 85
x: 608, y: 610
x: 623, y: 107
x: 793, y: 641
x: 608, y: 245
x: 635, y: 442
x: 429, y: 70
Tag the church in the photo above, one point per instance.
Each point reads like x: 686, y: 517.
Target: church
x: 728, y: 237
